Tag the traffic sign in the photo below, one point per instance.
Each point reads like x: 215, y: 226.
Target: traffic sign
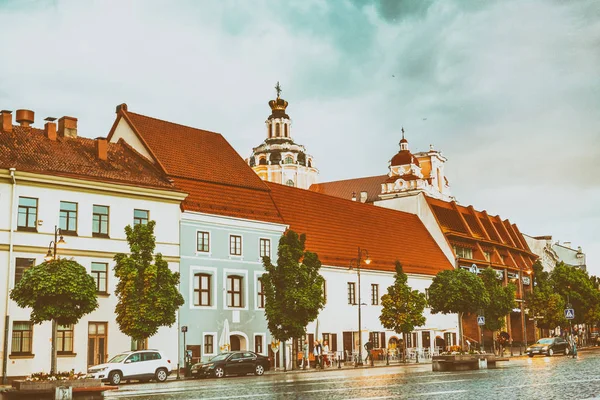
x: 480, y: 320
x: 569, y: 313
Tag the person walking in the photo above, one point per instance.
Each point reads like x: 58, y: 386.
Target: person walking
x: 368, y: 348
x: 317, y: 352
x: 325, y: 354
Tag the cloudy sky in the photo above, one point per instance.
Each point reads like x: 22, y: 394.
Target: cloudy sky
x: 508, y: 90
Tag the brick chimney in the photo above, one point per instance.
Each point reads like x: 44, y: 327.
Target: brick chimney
x: 67, y: 127
x: 50, y: 128
x: 25, y: 117
x: 6, y: 121
x: 102, y: 148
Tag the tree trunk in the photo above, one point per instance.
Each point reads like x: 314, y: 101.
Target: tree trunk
x: 404, y: 347
x: 284, y: 358
x: 53, y: 348
x: 294, y: 354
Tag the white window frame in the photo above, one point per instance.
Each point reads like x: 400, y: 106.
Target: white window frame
x: 264, y: 342
x: 194, y: 269
x: 210, y: 240
x: 215, y: 344
x: 240, y: 272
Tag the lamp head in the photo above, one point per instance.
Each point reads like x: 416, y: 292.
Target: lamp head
x: 61, y: 241
x: 49, y: 256
x: 367, y: 260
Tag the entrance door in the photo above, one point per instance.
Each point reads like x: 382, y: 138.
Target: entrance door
x: 347, y: 337
x: 235, y: 342
x: 97, y: 343
x: 426, y: 336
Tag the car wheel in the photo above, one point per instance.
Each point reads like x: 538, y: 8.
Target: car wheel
x: 161, y: 375
x: 115, y: 377
x: 566, y: 351
x: 550, y: 352
x: 259, y: 370
x: 219, y: 372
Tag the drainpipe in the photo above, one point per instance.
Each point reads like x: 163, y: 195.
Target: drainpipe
x: 8, y: 276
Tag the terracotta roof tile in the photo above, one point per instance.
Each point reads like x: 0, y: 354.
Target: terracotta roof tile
x: 345, y: 188
x: 336, y: 227
x: 28, y: 149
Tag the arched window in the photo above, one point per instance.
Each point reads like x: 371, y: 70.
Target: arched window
x: 270, y: 131
x: 262, y: 161
x: 288, y: 160
x: 309, y: 164
x: 285, y: 129
x: 277, y: 130
x: 290, y: 182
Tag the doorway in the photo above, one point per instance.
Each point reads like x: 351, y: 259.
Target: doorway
x: 97, y: 339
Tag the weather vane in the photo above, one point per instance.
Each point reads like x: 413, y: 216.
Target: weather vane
x: 278, y: 89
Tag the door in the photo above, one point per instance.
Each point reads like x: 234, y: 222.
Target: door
x: 426, y: 336
x: 133, y: 366
x: 248, y: 364
x: 97, y: 333
x: 347, y: 338
x: 235, y: 342
x: 234, y: 364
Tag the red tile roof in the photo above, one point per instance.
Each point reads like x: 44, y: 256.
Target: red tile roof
x: 345, y: 188
x: 336, y: 227
x: 28, y: 149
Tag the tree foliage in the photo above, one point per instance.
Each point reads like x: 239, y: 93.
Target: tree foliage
x: 574, y: 286
x: 502, y: 300
x: 546, y: 305
x: 402, y: 307
x: 293, y: 288
x: 147, y: 292
x: 60, y: 290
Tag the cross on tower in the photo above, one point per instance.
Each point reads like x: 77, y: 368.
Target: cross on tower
x: 278, y: 89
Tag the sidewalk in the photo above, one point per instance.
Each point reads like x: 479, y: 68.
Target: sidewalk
x: 350, y: 366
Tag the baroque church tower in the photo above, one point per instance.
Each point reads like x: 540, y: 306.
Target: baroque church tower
x: 278, y: 159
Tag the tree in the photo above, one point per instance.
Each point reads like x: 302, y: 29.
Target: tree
x: 502, y: 300
x: 293, y: 289
x: 546, y: 305
x: 60, y: 291
x: 402, y: 307
x: 147, y: 293
x: 457, y: 291
x: 574, y: 286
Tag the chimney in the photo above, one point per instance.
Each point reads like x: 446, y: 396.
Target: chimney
x: 121, y: 107
x: 6, y: 121
x: 25, y: 117
x: 567, y: 244
x: 353, y: 196
x: 50, y: 128
x: 67, y: 127
x: 102, y: 148
x: 363, y: 197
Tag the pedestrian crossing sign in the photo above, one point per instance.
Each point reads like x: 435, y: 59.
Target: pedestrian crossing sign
x: 480, y: 320
x: 569, y: 313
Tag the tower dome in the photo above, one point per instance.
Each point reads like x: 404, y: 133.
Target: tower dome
x: 404, y: 156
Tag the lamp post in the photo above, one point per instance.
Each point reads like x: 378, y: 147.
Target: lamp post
x: 358, y: 259
x: 50, y: 256
x: 523, y: 317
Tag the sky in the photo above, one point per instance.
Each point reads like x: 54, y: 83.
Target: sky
x: 508, y: 90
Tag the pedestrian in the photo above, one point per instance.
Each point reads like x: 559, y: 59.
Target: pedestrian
x: 368, y: 348
x: 317, y: 352
x: 325, y: 354
x: 304, y: 355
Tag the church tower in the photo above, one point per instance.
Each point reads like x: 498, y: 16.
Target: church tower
x: 278, y: 159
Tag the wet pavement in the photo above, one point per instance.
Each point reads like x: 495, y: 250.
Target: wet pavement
x: 556, y: 377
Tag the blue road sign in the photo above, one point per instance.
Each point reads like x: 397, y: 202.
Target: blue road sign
x: 569, y: 313
x: 480, y: 320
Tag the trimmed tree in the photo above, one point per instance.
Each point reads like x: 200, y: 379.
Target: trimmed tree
x: 402, y: 307
x: 147, y: 292
x: 60, y: 291
x: 546, y: 305
x: 574, y: 286
x: 457, y: 291
x: 502, y: 300
x: 293, y: 290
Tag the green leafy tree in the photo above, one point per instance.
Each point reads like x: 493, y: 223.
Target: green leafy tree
x: 402, y: 307
x: 457, y: 291
x: 546, y: 306
x: 293, y: 289
x: 60, y: 291
x: 502, y: 300
x: 574, y: 286
x: 147, y: 292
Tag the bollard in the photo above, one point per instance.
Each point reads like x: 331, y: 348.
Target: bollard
x: 339, y: 361
x: 416, y: 356
x: 387, y: 358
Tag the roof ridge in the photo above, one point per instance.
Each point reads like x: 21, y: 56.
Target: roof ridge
x: 173, y: 123
x: 351, y: 179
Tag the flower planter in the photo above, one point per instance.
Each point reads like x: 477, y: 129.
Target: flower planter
x: 464, y: 362
x: 82, y: 388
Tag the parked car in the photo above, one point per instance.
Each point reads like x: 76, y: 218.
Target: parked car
x: 232, y: 363
x: 142, y: 365
x: 549, y: 347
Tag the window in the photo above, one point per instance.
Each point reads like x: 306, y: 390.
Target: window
x: 487, y: 255
x: 277, y: 130
x: 463, y: 252
x: 290, y: 182
x: 285, y: 130
x: 208, y: 344
x: 234, y: 291
x: 260, y: 300
x: 258, y: 344
x: 374, y: 339
x: 202, y: 290
x: 22, y: 265
x: 374, y: 294
x: 21, y: 337
x: 68, y: 218
x: 100, y: 221
x: 140, y: 217
x: 265, y: 248
x: 99, y: 273
x: 203, y: 242
x: 27, y: 217
x: 64, y: 339
x: 150, y: 356
x: 235, y: 245
x: 351, y: 293
x: 288, y: 160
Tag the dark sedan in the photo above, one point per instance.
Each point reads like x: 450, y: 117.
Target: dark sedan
x: 549, y: 347
x: 232, y: 363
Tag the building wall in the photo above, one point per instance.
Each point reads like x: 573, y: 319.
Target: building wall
x: 84, y: 249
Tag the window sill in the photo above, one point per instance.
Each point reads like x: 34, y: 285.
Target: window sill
x: 102, y: 294
x: 68, y: 233
x: 66, y: 355
x: 26, y: 229
x: 20, y: 356
x: 100, y: 235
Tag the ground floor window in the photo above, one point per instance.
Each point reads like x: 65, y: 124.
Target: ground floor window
x: 209, y: 344
x: 22, y: 337
x: 258, y: 344
x: 64, y: 339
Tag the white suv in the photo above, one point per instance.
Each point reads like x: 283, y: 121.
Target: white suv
x: 140, y: 365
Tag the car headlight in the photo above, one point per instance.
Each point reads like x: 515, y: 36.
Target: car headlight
x: 211, y: 365
x: 545, y: 348
x: 528, y: 349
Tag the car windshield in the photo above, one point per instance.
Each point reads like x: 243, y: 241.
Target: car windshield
x: 118, y: 358
x: 544, y: 341
x: 220, y: 357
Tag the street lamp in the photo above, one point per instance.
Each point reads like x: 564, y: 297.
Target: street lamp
x: 51, y: 255
x: 367, y: 261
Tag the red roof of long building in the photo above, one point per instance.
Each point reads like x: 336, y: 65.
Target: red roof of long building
x: 347, y: 187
